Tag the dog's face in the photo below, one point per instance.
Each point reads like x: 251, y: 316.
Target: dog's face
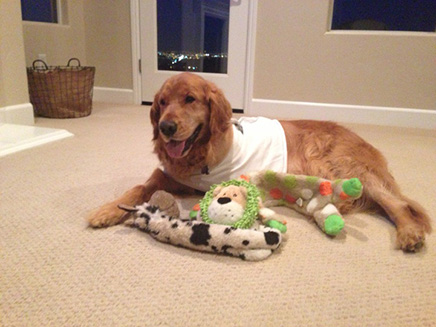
x: 186, y: 112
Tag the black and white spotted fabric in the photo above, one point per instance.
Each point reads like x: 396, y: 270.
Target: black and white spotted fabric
x: 247, y: 244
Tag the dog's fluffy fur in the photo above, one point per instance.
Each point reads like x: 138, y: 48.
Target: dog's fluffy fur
x: 201, y: 113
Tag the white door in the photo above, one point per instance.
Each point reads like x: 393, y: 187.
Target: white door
x: 204, y: 37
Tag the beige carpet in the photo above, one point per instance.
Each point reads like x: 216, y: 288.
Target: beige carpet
x: 54, y: 271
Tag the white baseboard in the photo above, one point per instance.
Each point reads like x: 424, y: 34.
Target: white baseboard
x: 20, y: 114
x: 114, y: 95
x: 387, y: 116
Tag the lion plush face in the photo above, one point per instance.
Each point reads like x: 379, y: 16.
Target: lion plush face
x: 228, y: 204
x: 234, y: 203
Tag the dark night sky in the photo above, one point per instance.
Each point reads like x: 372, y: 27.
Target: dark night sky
x: 397, y: 15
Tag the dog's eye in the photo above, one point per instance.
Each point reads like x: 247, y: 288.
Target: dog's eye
x: 189, y: 99
x: 162, y: 102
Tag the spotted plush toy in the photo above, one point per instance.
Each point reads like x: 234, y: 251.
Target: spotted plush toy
x: 247, y: 244
x: 311, y: 196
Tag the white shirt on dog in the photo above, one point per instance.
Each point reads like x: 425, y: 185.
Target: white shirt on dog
x: 260, y: 146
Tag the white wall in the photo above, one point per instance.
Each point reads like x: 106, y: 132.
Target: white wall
x: 296, y: 60
x: 13, y: 79
x: 14, y: 96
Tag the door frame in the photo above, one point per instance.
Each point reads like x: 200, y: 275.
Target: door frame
x: 136, y: 50
x: 249, y: 64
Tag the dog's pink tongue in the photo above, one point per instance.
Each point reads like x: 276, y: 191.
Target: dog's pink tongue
x: 175, y: 148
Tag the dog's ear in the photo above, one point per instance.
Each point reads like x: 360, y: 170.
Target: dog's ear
x: 220, y: 110
x: 155, y: 116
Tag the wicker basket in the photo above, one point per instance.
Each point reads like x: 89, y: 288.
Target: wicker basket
x: 61, y: 91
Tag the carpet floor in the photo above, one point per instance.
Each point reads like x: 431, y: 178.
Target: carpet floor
x: 55, y: 271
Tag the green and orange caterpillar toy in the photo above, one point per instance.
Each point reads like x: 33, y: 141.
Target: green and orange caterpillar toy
x: 309, y: 195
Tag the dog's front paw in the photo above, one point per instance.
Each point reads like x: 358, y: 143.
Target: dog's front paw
x: 411, y: 238
x: 107, y: 215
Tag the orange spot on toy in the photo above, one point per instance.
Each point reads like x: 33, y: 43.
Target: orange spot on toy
x: 276, y: 194
x: 343, y: 196
x: 325, y: 188
x: 196, y: 207
x: 245, y: 178
x: 290, y: 198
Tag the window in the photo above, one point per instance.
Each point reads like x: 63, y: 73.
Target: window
x: 390, y: 15
x: 193, y: 35
x: 45, y: 11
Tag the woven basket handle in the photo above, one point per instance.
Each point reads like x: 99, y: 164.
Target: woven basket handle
x: 78, y: 61
x: 39, y: 60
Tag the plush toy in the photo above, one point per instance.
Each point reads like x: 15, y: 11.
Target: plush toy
x: 236, y: 203
x: 233, y: 217
x: 247, y: 244
x: 311, y: 196
x: 239, y: 203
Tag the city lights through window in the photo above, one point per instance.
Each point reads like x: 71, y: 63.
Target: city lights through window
x: 193, y: 35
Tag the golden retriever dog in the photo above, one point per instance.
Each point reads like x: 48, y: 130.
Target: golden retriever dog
x: 193, y: 133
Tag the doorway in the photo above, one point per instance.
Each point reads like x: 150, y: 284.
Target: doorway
x: 208, y: 38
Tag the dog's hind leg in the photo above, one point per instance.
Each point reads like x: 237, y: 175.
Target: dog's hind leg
x: 109, y: 214
x: 410, y: 218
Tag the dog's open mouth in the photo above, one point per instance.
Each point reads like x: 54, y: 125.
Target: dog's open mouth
x: 176, y: 149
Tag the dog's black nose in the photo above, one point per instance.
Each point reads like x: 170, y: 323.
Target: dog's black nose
x: 168, y: 127
x: 224, y: 200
